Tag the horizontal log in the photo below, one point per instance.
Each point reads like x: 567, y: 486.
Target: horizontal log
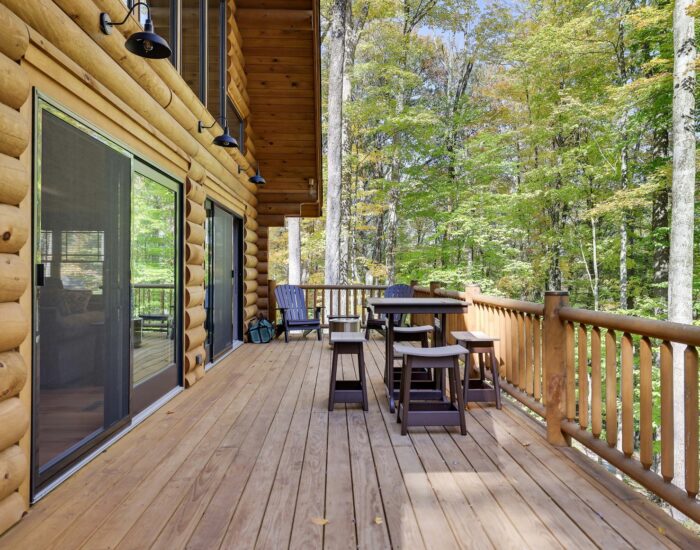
x: 249, y: 312
x: 14, y: 327
x: 14, y: 83
x: 195, y: 212
x: 13, y: 374
x: 194, y: 254
x: 14, y: 276
x: 251, y: 248
x: 262, y: 280
x: 194, y: 274
x: 14, y: 421
x: 251, y: 236
x: 14, y: 38
x: 262, y: 267
x: 15, y: 134
x: 251, y: 285
x: 251, y: 261
x: 195, y: 317
x: 195, y: 337
x: 262, y: 232
x: 251, y: 274
x: 195, y: 191
x: 11, y: 510
x: 196, y: 174
x: 663, y: 330
x: 251, y: 298
x: 191, y: 358
x: 194, y: 233
x: 14, y: 180
x: 14, y: 228
x: 262, y: 243
x: 13, y: 470
x: 262, y: 304
x: 190, y: 379
x: 194, y: 296
x: 251, y: 223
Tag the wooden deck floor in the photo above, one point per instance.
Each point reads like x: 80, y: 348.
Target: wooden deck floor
x: 250, y: 457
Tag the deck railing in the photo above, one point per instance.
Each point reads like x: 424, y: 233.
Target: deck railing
x: 154, y: 298
x: 599, y: 378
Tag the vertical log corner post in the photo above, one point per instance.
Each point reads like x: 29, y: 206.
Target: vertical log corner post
x: 195, y: 314
x: 265, y: 303
x: 15, y: 257
x: 255, y: 261
x: 554, y: 365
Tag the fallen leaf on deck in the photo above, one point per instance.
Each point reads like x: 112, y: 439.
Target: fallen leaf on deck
x: 378, y: 520
x: 319, y: 521
x: 526, y: 444
x: 662, y: 530
x: 170, y: 412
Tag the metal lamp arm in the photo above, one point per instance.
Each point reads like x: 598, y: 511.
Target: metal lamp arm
x: 131, y: 10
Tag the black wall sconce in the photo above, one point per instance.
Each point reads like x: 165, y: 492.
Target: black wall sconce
x: 257, y: 179
x: 225, y: 139
x: 145, y: 43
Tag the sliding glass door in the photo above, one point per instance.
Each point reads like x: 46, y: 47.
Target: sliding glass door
x: 81, y: 329
x: 155, y: 207
x: 224, y: 288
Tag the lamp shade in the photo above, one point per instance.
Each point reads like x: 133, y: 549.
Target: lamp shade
x: 148, y: 44
x: 225, y: 139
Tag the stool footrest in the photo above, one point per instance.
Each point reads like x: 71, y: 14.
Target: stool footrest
x: 348, y: 391
x: 431, y: 414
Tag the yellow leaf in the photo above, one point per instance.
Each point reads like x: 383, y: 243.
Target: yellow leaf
x: 319, y: 521
x: 662, y: 530
x: 378, y: 520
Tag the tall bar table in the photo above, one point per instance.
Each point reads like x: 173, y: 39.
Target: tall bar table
x: 395, y: 306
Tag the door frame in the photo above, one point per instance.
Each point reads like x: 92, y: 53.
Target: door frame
x: 238, y: 259
x: 39, y: 482
x: 152, y: 392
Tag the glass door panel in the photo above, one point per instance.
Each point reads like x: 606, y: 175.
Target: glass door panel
x: 154, y: 273
x: 223, y: 279
x: 81, y: 333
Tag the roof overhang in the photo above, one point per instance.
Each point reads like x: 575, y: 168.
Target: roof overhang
x: 282, y: 55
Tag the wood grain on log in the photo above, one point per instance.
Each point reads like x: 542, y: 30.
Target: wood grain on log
x: 14, y: 276
x: 14, y: 229
x: 14, y: 83
x: 13, y: 470
x: 14, y: 180
x: 14, y: 326
x: 13, y: 374
x: 14, y: 421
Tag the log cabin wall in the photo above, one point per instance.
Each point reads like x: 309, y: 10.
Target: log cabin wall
x: 56, y: 47
x: 15, y: 206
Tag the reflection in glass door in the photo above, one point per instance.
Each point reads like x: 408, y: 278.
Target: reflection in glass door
x: 224, y: 281
x: 154, y: 275
x: 81, y: 338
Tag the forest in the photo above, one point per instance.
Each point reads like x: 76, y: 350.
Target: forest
x: 521, y: 145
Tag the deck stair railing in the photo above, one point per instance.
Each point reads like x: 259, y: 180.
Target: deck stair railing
x: 602, y: 379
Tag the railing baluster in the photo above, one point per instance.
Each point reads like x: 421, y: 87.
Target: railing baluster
x: 582, y: 377
x: 611, y: 388
x: 667, y: 411
x: 596, y: 384
x: 645, y: 406
x: 691, y: 421
x: 530, y: 367
x: 537, y: 341
x: 570, y: 373
x: 509, y: 346
x: 522, y: 365
x: 626, y: 383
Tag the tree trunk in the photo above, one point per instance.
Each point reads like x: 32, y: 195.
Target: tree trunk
x: 336, y: 47
x: 680, y: 276
x: 294, y: 248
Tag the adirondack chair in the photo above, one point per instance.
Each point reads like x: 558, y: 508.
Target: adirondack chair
x: 379, y: 323
x: 295, y: 313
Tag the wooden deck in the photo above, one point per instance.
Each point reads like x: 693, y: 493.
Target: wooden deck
x: 250, y: 457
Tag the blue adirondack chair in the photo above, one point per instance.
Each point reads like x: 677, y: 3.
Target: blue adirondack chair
x: 295, y: 313
x: 379, y: 323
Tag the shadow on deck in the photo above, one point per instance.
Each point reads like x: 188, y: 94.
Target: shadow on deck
x: 250, y: 457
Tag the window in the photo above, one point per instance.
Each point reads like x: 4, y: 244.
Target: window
x: 236, y: 124
x: 216, y: 50
x: 193, y: 64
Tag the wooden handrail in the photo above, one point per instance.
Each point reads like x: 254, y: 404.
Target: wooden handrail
x: 651, y: 328
x: 343, y: 287
x: 532, y: 308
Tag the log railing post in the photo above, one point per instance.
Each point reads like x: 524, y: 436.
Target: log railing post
x: 471, y: 291
x: 554, y: 365
x: 272, y: 301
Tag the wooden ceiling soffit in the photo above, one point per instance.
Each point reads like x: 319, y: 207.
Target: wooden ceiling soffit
x: 280, y: 42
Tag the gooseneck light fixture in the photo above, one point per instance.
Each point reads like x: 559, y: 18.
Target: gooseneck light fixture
x: 257, y: 179
x: 225, y: 139
x: 145, y: 43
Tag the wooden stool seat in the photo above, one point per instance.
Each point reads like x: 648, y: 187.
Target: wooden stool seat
x: 348, y: 391
x: 420, y: 329
x: 411, y: 411
x: 479, y: 389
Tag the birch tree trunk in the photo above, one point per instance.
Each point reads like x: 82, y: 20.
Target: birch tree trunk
x: 680, y: 275
x: 294, y: 248
x: 336, y: 47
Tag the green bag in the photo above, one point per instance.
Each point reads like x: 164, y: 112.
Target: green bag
x: 260, y: 331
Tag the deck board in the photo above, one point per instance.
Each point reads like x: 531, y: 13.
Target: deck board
x: 250, y: 457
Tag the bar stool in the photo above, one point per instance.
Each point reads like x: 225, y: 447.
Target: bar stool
x: 478, y: 389
x: 412, y: 334
x: 430, y: 413
x: 348, y: 391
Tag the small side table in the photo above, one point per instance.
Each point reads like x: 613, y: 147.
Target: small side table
x: 348, y: 391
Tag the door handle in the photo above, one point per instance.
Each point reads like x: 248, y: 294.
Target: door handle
x: 40, y: 275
